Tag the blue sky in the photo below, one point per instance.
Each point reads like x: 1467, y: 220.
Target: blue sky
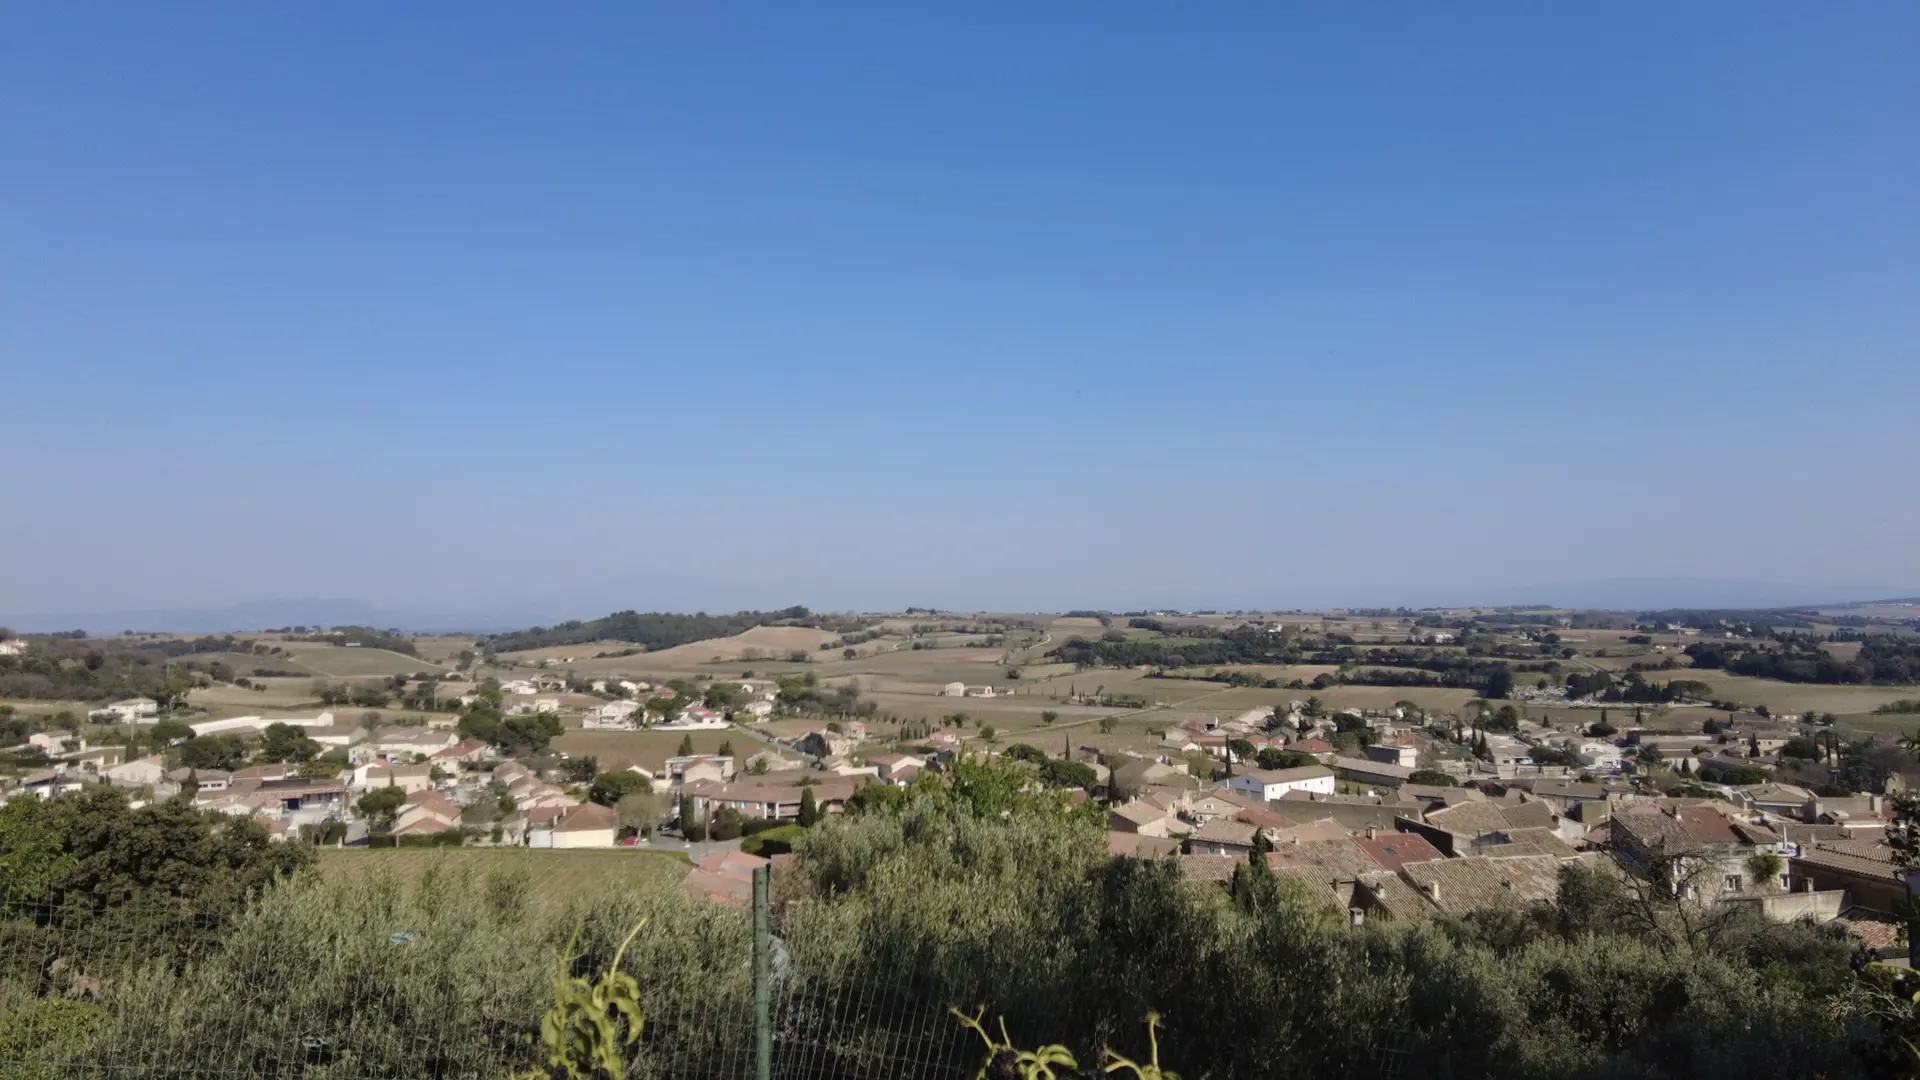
x: 458, y: 306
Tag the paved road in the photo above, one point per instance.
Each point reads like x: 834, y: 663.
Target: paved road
x: 696, y: 852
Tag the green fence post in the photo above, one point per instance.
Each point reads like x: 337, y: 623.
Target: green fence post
x: 762, y: 973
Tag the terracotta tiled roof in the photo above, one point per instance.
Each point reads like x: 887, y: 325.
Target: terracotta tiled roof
x: 1141, y: 847
x: 587, y: 817
x: 1340, y: 856
x: 1226, y: 831
x: 1866, y: 865
x: 1140, y: 813
x: 1215, y: 868
x: 1479, y: 881
x: 1547, y: 841
x: 1469, y: 819
x: 1875, y: 929
x: 1396, y: 849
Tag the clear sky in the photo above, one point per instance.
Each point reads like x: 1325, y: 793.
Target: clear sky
x: 987, y: 305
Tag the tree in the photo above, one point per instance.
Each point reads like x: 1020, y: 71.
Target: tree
x: 1432, y: 778
x: 988, y: 733
x: 809, y: 809
x: 222, y: 752
x: 381, y: 804
x: 726, y: 748
x: 1314, y: 707
x: 1500, y: 682
x: 1507, y: 718
x: 1024, y: 752
x: 1106, y: 725
x: 1241, y: 749
x: 1765, y: 867
x: 610, y: 787
x: 686, y: 746
x: 1272, y: 757
x: 1048, y: 716
x: 286, y: 743
x: 1057, y: 772
x: 167, y: 875
x: 170, y: 731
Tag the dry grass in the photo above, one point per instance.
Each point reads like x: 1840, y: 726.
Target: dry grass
x: 556, y: 876
x: 650, y: 749
x: 1784, y: 697
x: 276, y: 694
x: 340, y: 662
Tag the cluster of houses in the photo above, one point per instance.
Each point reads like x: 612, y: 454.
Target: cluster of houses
x: 1362, y: 837
x: 628, y: 714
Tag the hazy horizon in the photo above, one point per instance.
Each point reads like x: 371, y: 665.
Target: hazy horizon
x: 560, y: 311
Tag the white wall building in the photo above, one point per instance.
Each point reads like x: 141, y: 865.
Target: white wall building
x: 131, y: 711
x: 1270, y: 784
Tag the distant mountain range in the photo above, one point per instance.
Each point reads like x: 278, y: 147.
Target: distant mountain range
x: 1618, y: 594
x: 268, y: 614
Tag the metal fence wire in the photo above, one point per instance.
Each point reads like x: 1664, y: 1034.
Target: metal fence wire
x: 137, y: 986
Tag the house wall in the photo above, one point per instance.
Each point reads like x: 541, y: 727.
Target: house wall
x: 1321, y: 785
x: 1820, y: 907
x: 1866, y: 892
x: 585, y: 838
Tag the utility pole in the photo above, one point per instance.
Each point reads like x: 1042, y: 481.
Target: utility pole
x: 762, y: 971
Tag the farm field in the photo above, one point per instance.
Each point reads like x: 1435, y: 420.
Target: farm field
x: 564, y: 654
x: 341, y: 662
x: 650, y: 748
x: 279, y: 693
x: 1784, y: 697
x: 556, y: 876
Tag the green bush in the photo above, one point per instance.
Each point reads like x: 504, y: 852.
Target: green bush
x: 775, y: 841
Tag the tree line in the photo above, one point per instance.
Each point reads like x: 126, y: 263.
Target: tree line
x: 653, y: 629
x: 1883, y: 659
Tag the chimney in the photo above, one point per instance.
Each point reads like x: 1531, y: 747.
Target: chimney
x: 1433, y: 891
x: 1371, y: 832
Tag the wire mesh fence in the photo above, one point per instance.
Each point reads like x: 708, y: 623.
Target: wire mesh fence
x: 389, y: 985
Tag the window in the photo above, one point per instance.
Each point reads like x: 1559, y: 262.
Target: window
x: 1733, y: 882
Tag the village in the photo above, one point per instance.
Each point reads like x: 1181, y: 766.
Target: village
x: 1387, y: 813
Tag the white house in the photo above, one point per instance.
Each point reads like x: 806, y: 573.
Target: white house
x: 138, y: 710
x: 759, y: 710
x: 140, y: 772
x: 1600, y: 756
x: 401, y: 742
x: 900, y: 768
x: 695, y: 718
x: 954, y: 689
x: 13, y: 647
x: 57, y: 742
x: 614, y: 715
x: 408, y: 778
x: 1270, y: 784
x: 338, y: 736
x: 587, y: 825
x: 1406, y: 755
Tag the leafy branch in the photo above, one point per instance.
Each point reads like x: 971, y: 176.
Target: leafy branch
x: 1151, y: 1070
x: 582, y: 1030
x: 1005, y: 1060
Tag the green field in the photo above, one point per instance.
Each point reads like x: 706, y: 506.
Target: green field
x: 557, y: 876
x: 340, y: 662
x: 649, y: 748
